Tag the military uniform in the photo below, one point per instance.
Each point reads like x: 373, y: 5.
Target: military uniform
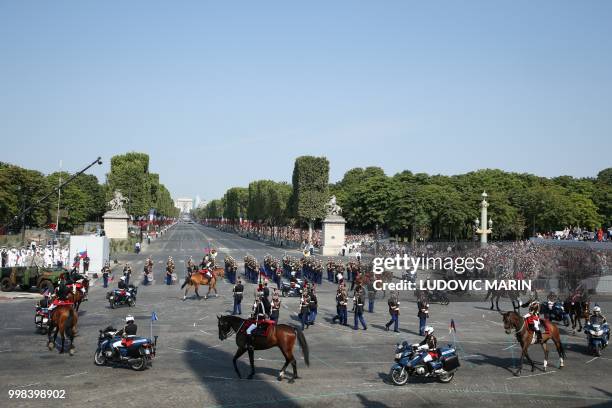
x: 304, y: 309
x: 237, y: 291
x: 394, y: 312
x: 358, y: 309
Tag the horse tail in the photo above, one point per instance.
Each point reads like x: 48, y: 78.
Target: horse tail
x: 69, y: 322
x: 303, y: 345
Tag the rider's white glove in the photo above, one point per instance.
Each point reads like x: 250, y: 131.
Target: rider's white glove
x: 424, y: 347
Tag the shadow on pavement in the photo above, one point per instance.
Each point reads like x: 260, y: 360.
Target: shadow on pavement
x: 213, y: 367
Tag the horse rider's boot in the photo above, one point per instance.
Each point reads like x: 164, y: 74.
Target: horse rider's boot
x: 249, y: 341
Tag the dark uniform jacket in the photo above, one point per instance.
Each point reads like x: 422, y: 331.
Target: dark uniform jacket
x: 238, y: 289
x: 431, y: 341
x: 423, y: 309
x: 393, y: 307
x: 130, y: 329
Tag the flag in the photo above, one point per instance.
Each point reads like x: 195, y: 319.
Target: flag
x: 452, y: 326
x: 153, y: 316
x: 83, y: 254
x: 45, y: 292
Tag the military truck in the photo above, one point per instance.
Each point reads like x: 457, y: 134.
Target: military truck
x: 26, y: 277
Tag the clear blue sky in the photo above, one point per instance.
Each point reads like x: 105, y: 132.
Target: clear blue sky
x: 222, y: 93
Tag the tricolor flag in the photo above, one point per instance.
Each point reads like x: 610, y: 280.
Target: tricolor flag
x: 452, y: 326
x: 83, y: 254
x: 153, y: 316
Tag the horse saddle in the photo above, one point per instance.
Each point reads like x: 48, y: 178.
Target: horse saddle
x: 264, y: 327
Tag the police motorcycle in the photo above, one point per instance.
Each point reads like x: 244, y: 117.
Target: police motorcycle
x: 134, y: 351
x: 292, y: 289
x: 41, y: 319
x: 120, y: 297
x: 555, y: 312
x: 409, y: 361
x: 598, y: 335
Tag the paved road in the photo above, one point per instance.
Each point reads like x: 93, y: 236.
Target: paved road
x: 348, y: 368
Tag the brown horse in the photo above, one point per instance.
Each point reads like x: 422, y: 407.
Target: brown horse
x: 282, y: 336
x: 525, y: 337
x: 196, y: 279
x: 76, y: 298
x: 64, y: 320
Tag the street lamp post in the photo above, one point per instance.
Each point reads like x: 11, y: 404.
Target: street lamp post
x: 484, y: 231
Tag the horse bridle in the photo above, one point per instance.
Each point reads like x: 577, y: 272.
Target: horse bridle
x: 231, y: 330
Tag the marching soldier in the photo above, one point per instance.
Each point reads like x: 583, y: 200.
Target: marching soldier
x: 127, y: 272
x: 338, y: 315
x: 423, y: 313
x: 106, y: 270
x: 371, y: 297
x: 394, y: 311
x: 358, y: 308
x: 304, y: 309
x: 312, y: 306
x: 276, y: 303
x: 237, y: 291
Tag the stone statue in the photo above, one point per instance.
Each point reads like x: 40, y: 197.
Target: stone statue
x: 333, y: 208
x: 116, y: 204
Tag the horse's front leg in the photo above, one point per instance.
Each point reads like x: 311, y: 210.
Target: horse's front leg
x: 529, y: 359
x: 238, y: 354
x: 50, y: 343
x: 545, y: 348
x: 185, y: 295
x: 252, y: 362
x: 63, y: 342
x: 497, y: 303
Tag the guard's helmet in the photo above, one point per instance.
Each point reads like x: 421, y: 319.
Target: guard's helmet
x: 429, y: 330
x: 129, y: 318
x: 597, y: 309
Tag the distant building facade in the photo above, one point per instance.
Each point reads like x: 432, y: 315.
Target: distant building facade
x: 185, y: 205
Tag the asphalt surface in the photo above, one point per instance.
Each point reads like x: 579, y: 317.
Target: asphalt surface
x: 348, y: 368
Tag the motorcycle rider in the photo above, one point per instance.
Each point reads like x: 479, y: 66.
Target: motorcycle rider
x: 129, y: 330
x: 45, y: 302
x: 596, y: 313
x: 533, y: 319
x: 122, y: 283
x: 429, y: 344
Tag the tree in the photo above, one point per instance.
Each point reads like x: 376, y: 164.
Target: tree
x: 130, y: 175
x: 236, y: 203
x: 310, y: 189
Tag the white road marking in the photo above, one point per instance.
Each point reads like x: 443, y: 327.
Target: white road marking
x: 509, y: 347
x: 593, y: 359
x: 532, y: 375
x: 207, y: 333
x: 74, y: 375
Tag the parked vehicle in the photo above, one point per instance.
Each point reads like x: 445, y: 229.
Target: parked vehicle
x: 26, y: 277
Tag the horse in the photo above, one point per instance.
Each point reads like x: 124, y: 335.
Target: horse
x: 64, y: 320
x: 76, y: 298
x: 577, y: 311
x: 282, y: 336
x: 513, y: 320
x: 513, y: 295
x: 196, y: 279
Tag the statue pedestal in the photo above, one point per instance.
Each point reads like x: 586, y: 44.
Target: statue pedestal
x: 333, y: 235
x: 116, y: 224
